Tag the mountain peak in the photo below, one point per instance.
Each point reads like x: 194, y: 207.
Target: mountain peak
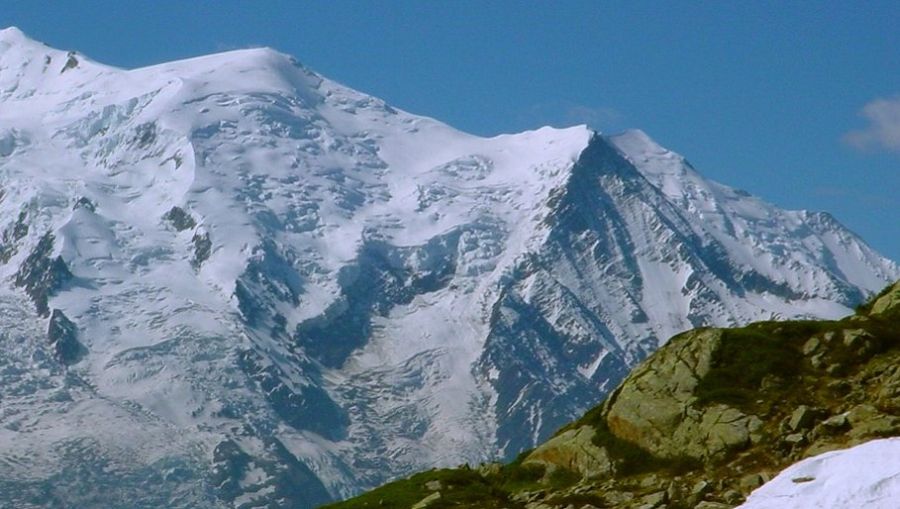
x: 261, y: 68
x: 12, y: 38
x: 12, y: 34
x: 634, y: 141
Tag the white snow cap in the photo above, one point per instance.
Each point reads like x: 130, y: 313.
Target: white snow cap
x: 866, y: 476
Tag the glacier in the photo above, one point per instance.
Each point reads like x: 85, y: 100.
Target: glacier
x: 229, y: 281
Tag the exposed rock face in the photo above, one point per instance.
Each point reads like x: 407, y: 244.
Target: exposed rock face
x: 715, y: 413
x: 63, y: 336
x: 656, y: 406
x: 202, y: 248
x: 888, y: 304
x: 241, y: 479
x: 180, y: 219
x: 573, y: 450
x: 12, y: 235
x: 42, y: 274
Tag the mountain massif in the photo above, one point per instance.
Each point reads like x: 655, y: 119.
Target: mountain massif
x: 709, y: 418
x: 231, y: 282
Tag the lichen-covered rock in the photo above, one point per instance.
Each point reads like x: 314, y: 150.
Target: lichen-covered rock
x: 657, y: 409
x: 888, y: 303
x: 866, y: 421
x: 573, y: 450
x: 651, y: 402
x: 713, y: 505
x: 802, y: 418
x: 428, y: 501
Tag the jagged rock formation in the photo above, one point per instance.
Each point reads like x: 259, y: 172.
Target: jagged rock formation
x: 63, y: 336
x: 252, y: 254
x: 708, y: 418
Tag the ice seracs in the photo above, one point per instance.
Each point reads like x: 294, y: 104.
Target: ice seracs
x: 290, y: 290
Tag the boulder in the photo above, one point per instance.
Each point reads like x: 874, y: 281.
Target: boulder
x: 867, y: 422
x: 654, y: 500
x: 651, y: 403
x: 750, y: 482
x: 656, y: 409
x: 795, y: 439
x: 427, y: 501
x: 802, y: 418
x: 573, y: 450
x: 811, y: 345
x: 836, y: 422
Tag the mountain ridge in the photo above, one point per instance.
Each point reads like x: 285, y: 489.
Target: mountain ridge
x: 282, y: 282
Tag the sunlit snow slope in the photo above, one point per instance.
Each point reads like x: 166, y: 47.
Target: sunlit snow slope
x: 230, y: 282
x: 865, y: 476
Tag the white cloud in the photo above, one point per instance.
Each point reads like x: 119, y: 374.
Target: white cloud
x: 564, y: 113
x: 883, y: 131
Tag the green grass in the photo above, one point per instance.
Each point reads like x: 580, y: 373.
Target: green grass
x: 748, y: 354
x: 464, y: 487
x: 562, y: 478
x: 461, y: 487
x: 580, y: 500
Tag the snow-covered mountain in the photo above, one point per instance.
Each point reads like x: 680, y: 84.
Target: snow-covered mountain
x: 229, y: 281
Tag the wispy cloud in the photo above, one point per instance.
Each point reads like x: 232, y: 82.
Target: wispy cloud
x: 593, y: 116
x: 883, y: 129
x: 567, y: 113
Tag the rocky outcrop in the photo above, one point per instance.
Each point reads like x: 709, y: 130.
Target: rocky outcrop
x: 202, y: 248
x: 656, y: 407
x: 179, y: 219
x: 272, y: 479
x: 715, y: 414
x: 888, y: 303
x: 42, y: 274
x: 63, y: 337
x: 12, y: 235
x: 573, y: 450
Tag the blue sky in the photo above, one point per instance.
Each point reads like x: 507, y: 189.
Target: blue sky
x: 797, y: 102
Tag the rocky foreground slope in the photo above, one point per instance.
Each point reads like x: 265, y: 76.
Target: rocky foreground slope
x: 707, y: 419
